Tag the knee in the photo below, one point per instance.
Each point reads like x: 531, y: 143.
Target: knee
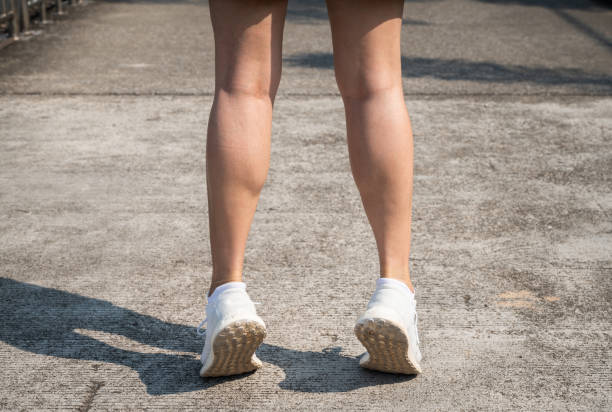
x: 253, y: 83
x: 247, y: 90
x: 366, y: 84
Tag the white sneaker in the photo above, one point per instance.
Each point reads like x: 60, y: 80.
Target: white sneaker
x: 388, y: 330
x: 233, y: 333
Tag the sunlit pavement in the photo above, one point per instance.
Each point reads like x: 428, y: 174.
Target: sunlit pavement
x: 104, y: 253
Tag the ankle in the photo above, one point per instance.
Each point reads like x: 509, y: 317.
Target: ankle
x: 214, y: 284
x: 404, y: 279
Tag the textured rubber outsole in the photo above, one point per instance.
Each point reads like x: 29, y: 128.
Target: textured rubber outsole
x: 233, y: 349
x: 387, y: 345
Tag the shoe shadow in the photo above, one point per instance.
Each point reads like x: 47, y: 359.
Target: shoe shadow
x: 53, y: 322
x: 326, y: 371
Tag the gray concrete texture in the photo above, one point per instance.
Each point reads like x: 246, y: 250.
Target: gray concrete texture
x: 104, y: 253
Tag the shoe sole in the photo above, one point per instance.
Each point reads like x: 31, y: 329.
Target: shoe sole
x: 388, y: 347
x: 233, y: 348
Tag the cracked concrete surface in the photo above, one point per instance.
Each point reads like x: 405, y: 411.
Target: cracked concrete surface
x: 104, y: 254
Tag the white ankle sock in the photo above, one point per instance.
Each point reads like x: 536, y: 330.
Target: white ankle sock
x: 225, y: 286
x: 395, y: 283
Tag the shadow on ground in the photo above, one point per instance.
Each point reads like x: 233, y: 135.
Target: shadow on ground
x: 44, y: 321
x: 298, y: 11
x: 457, y: 69
x: 559, y: 7
x: 554, y: 4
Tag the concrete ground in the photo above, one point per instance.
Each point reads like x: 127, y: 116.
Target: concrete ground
x: 104, y: 253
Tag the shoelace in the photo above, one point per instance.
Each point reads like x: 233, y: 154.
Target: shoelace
x: 416, y: 331
x: 200, y: 327
x: 206, y: 318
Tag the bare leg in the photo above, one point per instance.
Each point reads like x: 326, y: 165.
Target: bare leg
x: 367, y: 60
x: 248, y: 40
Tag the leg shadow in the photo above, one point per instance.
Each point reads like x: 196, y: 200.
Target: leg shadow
x: 46, y: 321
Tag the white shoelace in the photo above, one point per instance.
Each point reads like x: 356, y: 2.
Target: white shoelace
x: 206, y: 318
x: 416, y: 331
x: 200, y: 327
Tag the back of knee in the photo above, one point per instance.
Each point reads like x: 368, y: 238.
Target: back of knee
x: 360, y: 85
x: 250, y: 91
x: 248, y: 85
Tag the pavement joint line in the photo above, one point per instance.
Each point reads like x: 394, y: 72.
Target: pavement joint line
x: 211, y: 94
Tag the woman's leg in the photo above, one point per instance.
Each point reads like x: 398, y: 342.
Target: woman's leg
x: 248, y: 40
x: 367, y: 60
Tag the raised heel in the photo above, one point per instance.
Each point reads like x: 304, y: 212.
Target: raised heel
x: 233, y: 349
x: 387, y: 345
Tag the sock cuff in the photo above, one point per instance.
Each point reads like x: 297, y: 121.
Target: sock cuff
x: 395, y: 283
x: 226, y: 286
